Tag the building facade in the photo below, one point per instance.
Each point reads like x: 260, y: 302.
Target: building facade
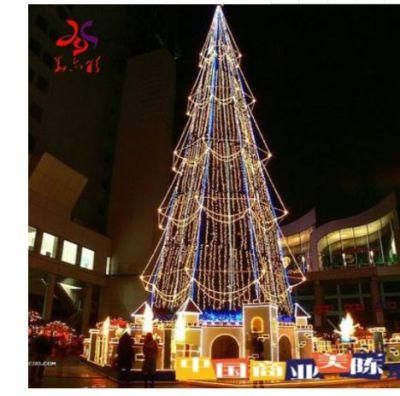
x: 77, y: 274
x: 351, y: 265
x: 106, y: 164
x: 68, y: 262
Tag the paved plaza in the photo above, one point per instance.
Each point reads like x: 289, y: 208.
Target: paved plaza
x: 73, y: 373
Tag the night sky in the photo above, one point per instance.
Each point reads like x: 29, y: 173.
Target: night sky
x: 326, y: 79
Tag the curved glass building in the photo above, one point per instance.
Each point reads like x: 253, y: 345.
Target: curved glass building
x: 352, y: 265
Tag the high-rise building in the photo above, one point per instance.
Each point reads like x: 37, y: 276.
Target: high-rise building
x: 74, y: 120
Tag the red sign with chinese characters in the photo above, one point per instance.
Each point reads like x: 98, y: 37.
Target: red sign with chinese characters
x: 231, y: 368
x: 332, y: 363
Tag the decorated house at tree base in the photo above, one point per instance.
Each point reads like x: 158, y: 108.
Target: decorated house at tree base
x: 255, y: 333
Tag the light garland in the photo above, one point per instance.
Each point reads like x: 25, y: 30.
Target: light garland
x: 219, y: 244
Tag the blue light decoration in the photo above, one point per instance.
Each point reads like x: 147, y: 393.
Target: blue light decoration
x: 301, y: 369
x: 220, y: 242
x: 285, y: 318
x: 235, y: 316
x: 366, y: 365
x: 222, y: 316
x: 394, y: 370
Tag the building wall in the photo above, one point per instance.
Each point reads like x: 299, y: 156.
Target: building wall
x: 369, y: 290
x: 211, y: 333
x: 54, y: 189
x: 371, y: 293
x: 141, y: 174
x: 74, y: 115
x: 45, y: 23
x: 143, y: 159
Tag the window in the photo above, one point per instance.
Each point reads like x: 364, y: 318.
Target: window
x: 349, y: 289
x: 391, y: 287
x: 330, y: 289
x: 365, y: 287
x: 333, y: 303
x: 49, y: 245
x: 87, y: 258
x: 257, y: 325
x: 42, y: 84
x: 108, y: 266
x: 41, y: 23
x: 69, y: 252
x: 31, y: 237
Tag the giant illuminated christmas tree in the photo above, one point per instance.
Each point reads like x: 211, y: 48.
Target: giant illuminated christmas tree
x: 219, y: 219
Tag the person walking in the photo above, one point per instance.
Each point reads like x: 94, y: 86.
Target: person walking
x: 125, y: 356
x: 258, y: 348
x: 150, y: 350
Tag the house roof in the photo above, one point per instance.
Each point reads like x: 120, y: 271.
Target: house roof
x: 190, y: 306
x: 140, y: 310
x: 299, y: 312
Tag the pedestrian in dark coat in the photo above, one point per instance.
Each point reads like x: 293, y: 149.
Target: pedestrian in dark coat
x: 150, y: 350
x: 125, y: 356
x: 258, y: 348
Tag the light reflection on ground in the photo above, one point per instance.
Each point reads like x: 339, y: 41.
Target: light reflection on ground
x: 72, y: 373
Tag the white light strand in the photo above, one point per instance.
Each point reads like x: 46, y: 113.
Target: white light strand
x: 220, y: 228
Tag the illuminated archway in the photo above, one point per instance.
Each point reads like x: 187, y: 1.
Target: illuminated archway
x: 285, y: 349
x: 224, y: 347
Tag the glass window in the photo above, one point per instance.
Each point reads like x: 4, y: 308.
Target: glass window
x: 333, y: 303
x: 108, y: 266
x: 361, y: 245
x: 49, y: 245
x: 349, y: 251
x: 390, y: 287
x: 69, y: 252
x: 335, y: 248
x: 31, y: 237
x: 349, y: 289
x: 374, y: 240
x: 87, y: 258
x: 330, y: 289
x: 387, y: 239
x: 365, y: 287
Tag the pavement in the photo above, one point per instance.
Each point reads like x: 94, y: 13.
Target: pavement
x: 72, y: 373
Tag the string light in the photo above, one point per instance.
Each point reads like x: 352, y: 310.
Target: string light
x: 220, y: 216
